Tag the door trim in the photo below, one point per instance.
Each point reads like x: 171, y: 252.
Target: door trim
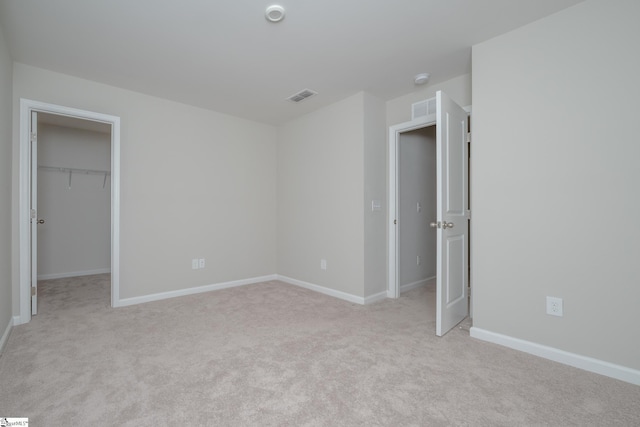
x: 393, y: 289
x: 26, y: 107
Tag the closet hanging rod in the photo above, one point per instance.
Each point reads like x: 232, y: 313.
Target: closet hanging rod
x: 74, y: 170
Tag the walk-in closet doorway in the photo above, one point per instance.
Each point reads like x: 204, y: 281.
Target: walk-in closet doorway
x: 73, y: 198
x: 69, y: 198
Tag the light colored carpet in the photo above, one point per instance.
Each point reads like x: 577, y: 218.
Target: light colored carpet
x: 275, y: 354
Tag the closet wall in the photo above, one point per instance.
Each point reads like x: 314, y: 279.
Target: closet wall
x: 416, y: 185
x: 76, y: 236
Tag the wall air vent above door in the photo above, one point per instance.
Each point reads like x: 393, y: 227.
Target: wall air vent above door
x: 423, y: 108
x: 302, y: 95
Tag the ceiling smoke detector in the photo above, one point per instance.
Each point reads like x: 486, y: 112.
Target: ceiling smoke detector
x: 421, y: 78
x: 274, y: 13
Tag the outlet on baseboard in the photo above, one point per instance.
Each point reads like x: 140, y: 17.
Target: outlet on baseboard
x: 323, y: 264
x: 554, y: 306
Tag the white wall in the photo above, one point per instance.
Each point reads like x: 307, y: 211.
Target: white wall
x: 555, y: 181
x: 331, y: 166
x: 76, y: 236
x: 375, y: 188
x: 320, y: 197
x: 192, y: 177
x: 6, y: 73
x: 417, y: 184
x: 195, y: 184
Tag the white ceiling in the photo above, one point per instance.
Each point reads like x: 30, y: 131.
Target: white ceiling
x: 224, y: 55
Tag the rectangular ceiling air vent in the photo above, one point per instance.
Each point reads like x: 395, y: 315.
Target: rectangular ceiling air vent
x: 302, y: 95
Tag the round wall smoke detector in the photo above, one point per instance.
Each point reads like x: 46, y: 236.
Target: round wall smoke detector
x: 275, y: 13
x: 421, y: 79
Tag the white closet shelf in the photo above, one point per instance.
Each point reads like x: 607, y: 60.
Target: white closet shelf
x: 73, y: 170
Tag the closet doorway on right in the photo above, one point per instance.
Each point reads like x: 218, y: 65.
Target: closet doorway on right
x: 429, y: 209
x: 417, y: 241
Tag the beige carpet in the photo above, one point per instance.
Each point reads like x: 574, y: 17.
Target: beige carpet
x: 275, y: 354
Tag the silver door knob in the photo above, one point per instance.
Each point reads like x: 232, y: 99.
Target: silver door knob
x: 435, y: 224
x: 446, y: 225
x: 40, y: 221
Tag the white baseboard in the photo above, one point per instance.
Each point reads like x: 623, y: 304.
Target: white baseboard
x: 327, y: 291
x: 182, y: 292
x: 191, y: 291
x: 5, y: 335
x: 73, y: 274
x: 419, y: 283
x: 375, y: 297
x: 576, y: 360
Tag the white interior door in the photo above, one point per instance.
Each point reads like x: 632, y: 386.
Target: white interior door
x: 34, y: 211
x: 452, y: 221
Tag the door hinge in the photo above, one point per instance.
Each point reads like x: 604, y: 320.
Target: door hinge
x: 34, y: 136
x: 468, y: 137
x: 34, y: 291
x: 395, y: 221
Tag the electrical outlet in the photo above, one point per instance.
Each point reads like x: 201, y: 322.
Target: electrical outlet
x: 418, y: 260
x: 201, y: 263
x: 194, y: 264
x: 323, y: 264
x: 554, y: 306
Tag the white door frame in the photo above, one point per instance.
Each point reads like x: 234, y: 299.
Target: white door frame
x: 393, y: 286
x: 26, y: 107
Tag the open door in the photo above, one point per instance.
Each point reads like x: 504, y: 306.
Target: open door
x: 453, y: 214
x: 34, y: 211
